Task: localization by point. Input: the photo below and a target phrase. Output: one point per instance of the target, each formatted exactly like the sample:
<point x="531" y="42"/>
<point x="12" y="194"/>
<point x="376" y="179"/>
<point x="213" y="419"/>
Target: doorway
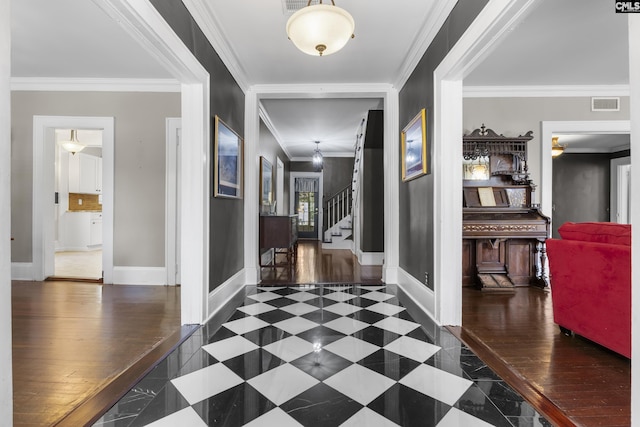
<point x="44" y="207"/>
<point x="306" y="191"/>
<point x="78" y="206"/>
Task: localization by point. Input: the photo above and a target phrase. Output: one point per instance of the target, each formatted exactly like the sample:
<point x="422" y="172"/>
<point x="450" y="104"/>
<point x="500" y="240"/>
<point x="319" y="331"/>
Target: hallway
<point x="326" y="355"/>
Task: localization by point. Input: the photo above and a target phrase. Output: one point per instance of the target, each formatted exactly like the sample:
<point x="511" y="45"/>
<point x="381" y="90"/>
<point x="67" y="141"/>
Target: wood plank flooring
<point x="71" y="340"/>
<point x="570" y="379"/>
<point x="317" y="265"/>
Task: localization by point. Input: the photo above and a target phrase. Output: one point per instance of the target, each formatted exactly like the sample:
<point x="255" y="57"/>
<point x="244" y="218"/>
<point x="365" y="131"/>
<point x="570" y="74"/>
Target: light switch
<point x="79" y="201"/>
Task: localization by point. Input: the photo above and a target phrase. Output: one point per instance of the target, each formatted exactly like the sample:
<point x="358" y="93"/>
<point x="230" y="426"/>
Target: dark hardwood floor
<point x="570" y="379"/>
<point x="315" y="265"/>
<point x="77" y="346"/>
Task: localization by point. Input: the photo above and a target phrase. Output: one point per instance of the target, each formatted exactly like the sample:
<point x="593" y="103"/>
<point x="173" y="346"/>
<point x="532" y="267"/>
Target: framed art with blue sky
<point x="228" y="161"/>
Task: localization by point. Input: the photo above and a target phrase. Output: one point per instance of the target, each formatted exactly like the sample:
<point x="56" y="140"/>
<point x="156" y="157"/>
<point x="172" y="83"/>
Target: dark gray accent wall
<point x="271" y="149"/>
<point x="337" y="173"/>
<point x="416" y="196"/>
<point x="227" y="101"/>
<point x="581" y="188"/>
<point x="372" y="185"/>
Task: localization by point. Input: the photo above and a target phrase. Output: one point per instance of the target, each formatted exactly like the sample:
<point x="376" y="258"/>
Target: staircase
<point x="339" y="208"/>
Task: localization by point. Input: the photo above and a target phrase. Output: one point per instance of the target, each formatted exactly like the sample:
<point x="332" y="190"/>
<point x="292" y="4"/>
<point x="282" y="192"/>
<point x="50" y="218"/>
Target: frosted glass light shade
<point x="320" y="29"/>
<point x="73" y="145"/>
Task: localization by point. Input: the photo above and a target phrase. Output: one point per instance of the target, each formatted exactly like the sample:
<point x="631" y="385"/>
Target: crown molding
<point x="435" y="20"/>
<point x="269" y="124"/>
<point x="94" y="84"/>
<point x="322" y="90"/>
<point x="204" y="15"/>
<point x="544" y="91"/>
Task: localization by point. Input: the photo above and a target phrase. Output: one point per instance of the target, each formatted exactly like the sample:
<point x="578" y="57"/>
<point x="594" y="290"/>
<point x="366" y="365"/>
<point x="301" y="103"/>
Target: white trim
<point x="204" y="14"/>
<point x="634" y="81"/>
<point x="251" y="187"/>
<point x="391" y="183"/>
<point x="171" y="200"/>
<point x="545" y="91"/>
<point x="6" y="374"/>
<point x="139" y="275"/>
<point x="550" y="128"/>
<point x="22" y="271"/>
<point x="146" y="25"/>
<point x="490" y="26"/>
<point x="370" y="258"/>
<point x="76" y="84"/>
<point x="320" y="202"/>
<point x="225" y="293"/>
<point x="43" y="250"/>
<point x="435" y="19"/>
<point x="422" y="296"/>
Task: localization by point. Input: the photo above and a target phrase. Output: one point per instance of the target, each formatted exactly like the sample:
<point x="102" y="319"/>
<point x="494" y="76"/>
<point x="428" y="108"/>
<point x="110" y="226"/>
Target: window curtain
<point x="307" y="185"/>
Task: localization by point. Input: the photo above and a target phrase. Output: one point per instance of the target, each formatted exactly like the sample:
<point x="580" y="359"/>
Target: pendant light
<point x="72" y="145"/>
<point x="320" y="29"/>
<point x="317" y="156"/>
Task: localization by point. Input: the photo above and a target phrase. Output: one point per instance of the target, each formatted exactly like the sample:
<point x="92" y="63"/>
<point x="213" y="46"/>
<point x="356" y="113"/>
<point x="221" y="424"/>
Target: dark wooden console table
<point x="279" y="233"/>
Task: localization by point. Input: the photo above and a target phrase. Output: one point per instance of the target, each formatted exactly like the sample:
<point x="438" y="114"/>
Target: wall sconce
<point x="556" y="149"/>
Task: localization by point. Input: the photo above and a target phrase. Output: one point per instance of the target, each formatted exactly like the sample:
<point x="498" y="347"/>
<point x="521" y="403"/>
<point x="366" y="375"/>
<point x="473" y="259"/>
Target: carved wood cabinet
<point x="503" y="231"/>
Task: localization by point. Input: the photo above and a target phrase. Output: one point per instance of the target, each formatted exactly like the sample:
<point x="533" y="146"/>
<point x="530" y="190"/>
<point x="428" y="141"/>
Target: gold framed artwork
<point x="414" y="147"/>
<point x="228" y="149"/>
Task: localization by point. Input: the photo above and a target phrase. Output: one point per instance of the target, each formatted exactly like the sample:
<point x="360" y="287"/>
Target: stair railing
<point x="338" y="206"/>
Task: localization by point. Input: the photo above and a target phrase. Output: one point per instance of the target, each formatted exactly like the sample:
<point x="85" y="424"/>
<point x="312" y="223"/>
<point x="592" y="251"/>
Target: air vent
<point x="291" y="6"/>
<point x="610" y="103"/>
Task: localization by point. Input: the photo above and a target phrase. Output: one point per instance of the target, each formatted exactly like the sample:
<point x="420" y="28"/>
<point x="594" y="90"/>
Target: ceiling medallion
<point x="320" y="29"/>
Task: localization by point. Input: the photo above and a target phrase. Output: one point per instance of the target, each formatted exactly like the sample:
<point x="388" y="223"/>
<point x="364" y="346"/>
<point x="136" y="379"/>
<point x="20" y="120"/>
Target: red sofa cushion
<point x="597" y="232"/>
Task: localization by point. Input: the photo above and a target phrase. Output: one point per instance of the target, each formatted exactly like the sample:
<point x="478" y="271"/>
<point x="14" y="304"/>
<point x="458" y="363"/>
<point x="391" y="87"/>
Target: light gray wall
<point x="140" y="140"/>
<point x="516" y="116"/>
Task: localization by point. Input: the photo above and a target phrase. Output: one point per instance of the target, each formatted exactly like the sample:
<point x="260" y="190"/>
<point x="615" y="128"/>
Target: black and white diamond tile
<point x="332" y="355"/>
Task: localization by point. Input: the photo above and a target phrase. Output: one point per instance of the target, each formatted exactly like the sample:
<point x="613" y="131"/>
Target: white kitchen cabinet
<point x="95" y="229"/>
<point x="85" y="174"/>
<point x="82" y="231"/>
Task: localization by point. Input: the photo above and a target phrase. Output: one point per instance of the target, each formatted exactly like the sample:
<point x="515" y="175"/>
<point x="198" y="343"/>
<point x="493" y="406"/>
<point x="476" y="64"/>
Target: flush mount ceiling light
<point x="556" y="149"/>
<point x="72" y="145"/>
<point x="317" y="156"/>
<point x="320" y="29"/>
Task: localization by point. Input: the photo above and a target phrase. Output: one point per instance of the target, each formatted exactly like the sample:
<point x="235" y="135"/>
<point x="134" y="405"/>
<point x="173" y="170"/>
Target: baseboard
<point x="224" y="293"/>
<point x="139" y="275"/>
<point x="22" y="271"/>
<point x="419" y="293"/>
<point x="370" y="258"/>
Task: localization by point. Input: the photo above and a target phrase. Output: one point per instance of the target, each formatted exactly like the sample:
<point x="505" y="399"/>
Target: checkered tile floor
<point x="342" y="355"/>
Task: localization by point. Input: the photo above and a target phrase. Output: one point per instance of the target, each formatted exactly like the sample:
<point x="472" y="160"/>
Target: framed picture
<point x="228" y="161"/>
<point x="266" y="185"/>
<point x="414" y="147"/>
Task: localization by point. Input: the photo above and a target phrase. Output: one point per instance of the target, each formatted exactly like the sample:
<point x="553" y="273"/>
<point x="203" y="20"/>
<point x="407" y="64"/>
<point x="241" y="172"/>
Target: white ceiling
<point x="568" y="42"/>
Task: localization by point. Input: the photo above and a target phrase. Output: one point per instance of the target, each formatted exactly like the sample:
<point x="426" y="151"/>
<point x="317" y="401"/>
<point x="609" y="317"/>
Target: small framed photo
<point x="414" y="147"/>
<point x="266" y="185"/>
<point x="228" y="167"/>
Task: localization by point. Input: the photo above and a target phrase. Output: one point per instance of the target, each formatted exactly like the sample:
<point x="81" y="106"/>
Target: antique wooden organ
<point x="503" y="231"/>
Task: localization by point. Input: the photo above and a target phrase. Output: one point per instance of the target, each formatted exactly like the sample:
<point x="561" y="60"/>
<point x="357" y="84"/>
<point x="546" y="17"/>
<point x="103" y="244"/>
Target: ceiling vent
<point x="292" y="6"/>
<point x="610" y="103"/>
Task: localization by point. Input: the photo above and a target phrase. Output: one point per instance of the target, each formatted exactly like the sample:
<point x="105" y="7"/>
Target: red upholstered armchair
<point x="590" y="270"/>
